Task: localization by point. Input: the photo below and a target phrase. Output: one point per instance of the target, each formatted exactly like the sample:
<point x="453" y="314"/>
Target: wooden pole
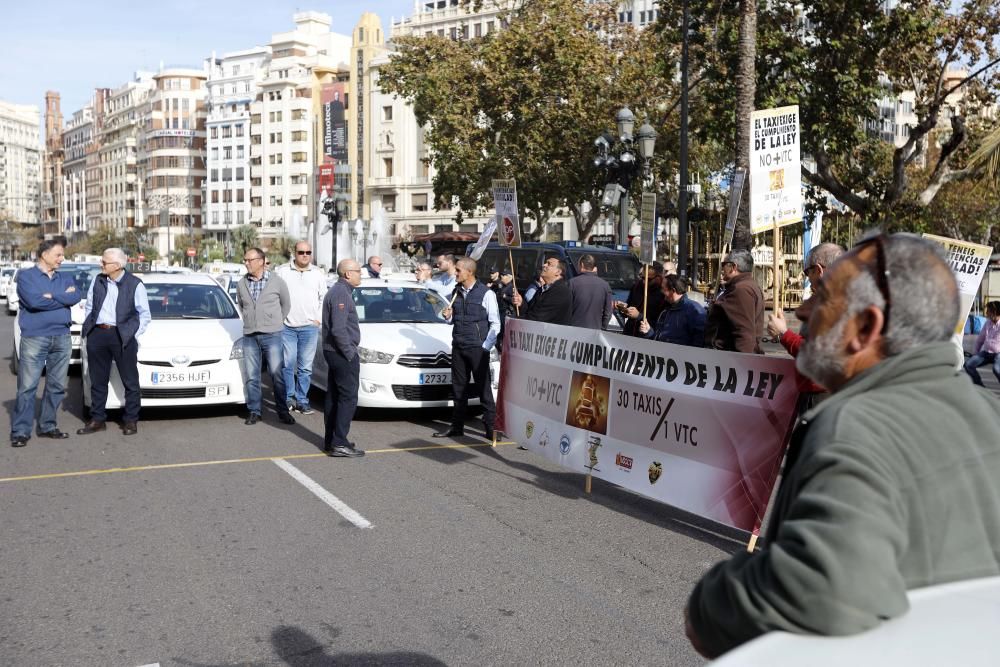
<point x="513" y="278"/>
<point x="776" y="268"/>
<point x="586" y="483"/>
<point x="752" y="544"/>
<point x="645" y="291"/>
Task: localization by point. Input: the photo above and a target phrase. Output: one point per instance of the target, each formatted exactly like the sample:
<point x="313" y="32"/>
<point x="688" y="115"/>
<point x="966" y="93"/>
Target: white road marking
<point x="152" y="664"/>
<point x="333" y="501"/>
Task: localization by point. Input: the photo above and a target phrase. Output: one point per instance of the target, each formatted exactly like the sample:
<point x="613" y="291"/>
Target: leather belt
<point x="106" y="326"/>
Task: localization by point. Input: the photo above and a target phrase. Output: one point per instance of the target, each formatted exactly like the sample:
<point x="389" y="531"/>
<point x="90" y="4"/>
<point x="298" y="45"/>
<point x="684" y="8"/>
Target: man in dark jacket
<point x="655" y="303"/>
<point x="475" y="322"/>
<point x="890" y="483"/>
<point x="115" y="315"/>
<point x="736" y="318"/>
<point x="341" y="338"/>
<point x="682" y="322"/>
<point x="553" y="302"/>
<point x="591" y="296"/>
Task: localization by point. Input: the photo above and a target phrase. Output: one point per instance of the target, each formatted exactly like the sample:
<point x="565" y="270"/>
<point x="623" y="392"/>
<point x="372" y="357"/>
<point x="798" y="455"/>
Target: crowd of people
<point x="889" y="480"/>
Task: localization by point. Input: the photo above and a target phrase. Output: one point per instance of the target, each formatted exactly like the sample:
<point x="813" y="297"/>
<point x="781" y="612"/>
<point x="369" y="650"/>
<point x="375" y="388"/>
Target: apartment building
<point x="171" y="156"/>
<point x="20" y="163"/>
<point x="233" y="85"/>
<point x="52" y="168"/>
<point x="78" y="138"/>
<point x="118" y="153"/>
<point x="284" y="122"/>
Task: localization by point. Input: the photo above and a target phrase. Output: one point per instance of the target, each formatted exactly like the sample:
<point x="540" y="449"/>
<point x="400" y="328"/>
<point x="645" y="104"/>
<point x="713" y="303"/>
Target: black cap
<point x="494" y="269"/>
<point x="506" y="272"/>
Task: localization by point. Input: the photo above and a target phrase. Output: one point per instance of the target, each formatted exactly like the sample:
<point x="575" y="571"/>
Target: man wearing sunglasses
<point x="306" y="288"/>
<point x="890" y="483"/>
<point x="374" y="266"/>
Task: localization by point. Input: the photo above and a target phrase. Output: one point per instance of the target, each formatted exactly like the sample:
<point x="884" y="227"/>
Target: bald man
<point x="341" y="337"/>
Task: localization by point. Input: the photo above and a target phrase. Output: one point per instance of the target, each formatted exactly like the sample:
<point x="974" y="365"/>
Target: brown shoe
<point x="130" y="428"/>
<point x="92" y="427"/>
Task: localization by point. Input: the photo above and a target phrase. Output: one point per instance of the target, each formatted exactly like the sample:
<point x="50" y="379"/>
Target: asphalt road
<point x="189" y="545"/>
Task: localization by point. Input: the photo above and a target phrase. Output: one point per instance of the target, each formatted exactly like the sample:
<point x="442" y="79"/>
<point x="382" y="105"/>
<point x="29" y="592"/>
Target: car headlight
<point x="237" y="352"/>
<point x="373" y="356"/>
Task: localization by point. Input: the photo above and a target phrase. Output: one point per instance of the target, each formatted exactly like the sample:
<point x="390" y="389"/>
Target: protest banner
<point x="968" y="261"/>
<point x="505" y="202"/>
<point x="702" y="430"/>
<point x="484" y="239"/>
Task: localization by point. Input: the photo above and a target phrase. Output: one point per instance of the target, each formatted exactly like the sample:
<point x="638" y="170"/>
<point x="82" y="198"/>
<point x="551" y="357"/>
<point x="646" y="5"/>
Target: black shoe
<point x="286" y="418"/>
<point x="18" y="440"/>
<point x="450" y="433"/>
<point x="92" y="427"/>
<point x="490" y="435"/>
<point x="130" y="428"/>
<point x="252" y="418"/>
<point x="54" y="434"/>
<point x="345" y="452"/>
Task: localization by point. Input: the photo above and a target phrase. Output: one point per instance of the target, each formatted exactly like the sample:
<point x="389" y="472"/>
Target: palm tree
<point x="244" y="236"/>
<point x="988" y="157"/>
<point x="746" y="88"/>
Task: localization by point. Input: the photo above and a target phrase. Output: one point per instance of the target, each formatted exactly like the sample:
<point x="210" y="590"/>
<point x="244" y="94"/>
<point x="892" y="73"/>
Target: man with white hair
<point x="736" y="319"/>
<point x="115" y="315"/>
<point x="890" y="483"/>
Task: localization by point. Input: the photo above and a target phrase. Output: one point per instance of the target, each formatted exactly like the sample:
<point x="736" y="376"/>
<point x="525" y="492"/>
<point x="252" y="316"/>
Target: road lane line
<point x="254" y="459"/>
<point x="333" y="501"/>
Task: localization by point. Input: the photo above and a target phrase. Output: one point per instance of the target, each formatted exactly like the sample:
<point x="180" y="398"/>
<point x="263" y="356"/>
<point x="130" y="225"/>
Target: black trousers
<point x="470" y="368"/>
<point x="103" y="347"/>
<point x="341" y="397"/>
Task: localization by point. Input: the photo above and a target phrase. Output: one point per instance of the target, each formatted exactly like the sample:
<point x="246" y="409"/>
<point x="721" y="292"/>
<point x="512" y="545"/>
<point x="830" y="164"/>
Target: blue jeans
<point x="254" y="346"/>
<point x="981" y="359"/>
<point x="299" y="344"/>
<point x="40" y="352"/>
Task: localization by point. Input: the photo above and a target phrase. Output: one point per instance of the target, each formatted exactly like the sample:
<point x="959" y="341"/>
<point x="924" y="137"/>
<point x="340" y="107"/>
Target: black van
<point x="619" y="267"/>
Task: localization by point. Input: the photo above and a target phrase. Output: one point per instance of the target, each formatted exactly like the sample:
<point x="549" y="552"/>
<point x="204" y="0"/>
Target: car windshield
<point x="176" y="301"/>
<point x="620" y="270"/>
<point x="7" y="272"/>
<point x="398" y="304"/>
<point x="82" y="275"/>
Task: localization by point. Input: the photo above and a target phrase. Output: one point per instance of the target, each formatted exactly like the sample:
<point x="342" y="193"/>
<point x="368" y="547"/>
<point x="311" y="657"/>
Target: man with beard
<point x="890" y="482"/>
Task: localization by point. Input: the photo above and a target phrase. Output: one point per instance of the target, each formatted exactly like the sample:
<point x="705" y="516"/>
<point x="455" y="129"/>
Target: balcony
<point x="257" y="150"/>
<point x="382" y="182"/>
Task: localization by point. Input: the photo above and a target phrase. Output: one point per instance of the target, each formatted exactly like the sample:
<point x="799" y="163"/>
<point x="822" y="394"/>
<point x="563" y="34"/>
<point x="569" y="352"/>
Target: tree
<point x="837" y="60"/>
<point x="244" y="237"/>
<point x="527" y="102"/>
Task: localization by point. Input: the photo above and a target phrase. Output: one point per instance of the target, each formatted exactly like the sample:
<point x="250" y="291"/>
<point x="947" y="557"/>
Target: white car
<point x="405" y="347"/>
<point x="190" y="353"/>
<point x="83" y="274"/>
<point x="6" y="273"/>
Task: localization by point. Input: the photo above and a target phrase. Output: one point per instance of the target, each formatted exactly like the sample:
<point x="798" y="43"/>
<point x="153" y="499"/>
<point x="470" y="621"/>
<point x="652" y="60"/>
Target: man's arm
<point x="832" y="568"/>
<point x="89" y="306"/>
<point x="142" y="307"/>
<point x="493" y="313"/>
<point x="740" y="309"/>
<point x="67" y="294"/>
<point x="791" y="341"/>
<point x="283" y="297"/>
<point x="696" y="326"/>
<point x="34" y="295"/>
<point x="606" y="310"/>
<point x="339" y="304"/>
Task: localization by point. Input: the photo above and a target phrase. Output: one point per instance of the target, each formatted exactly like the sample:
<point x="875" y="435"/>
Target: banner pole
<point x="586" y="483"/>
<point x="776" y="294"/>
<point x="513" y="278"/>
<point x="752" y="544"/>
<point x="645" y="290"/>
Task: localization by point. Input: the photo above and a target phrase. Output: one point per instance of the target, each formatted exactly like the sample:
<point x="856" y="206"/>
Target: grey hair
<point x="742" y="259"/>
<point x="424" y="264"/>
<point x="345" y="265"/>
<point x="923" y="290"/>
<point x="118" y="255"/>
<point x="825" y="254"/>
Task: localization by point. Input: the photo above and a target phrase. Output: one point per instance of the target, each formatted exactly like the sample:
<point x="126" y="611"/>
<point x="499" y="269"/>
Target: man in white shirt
<point x="306" y="287"/>
<point x="444" y="283"/>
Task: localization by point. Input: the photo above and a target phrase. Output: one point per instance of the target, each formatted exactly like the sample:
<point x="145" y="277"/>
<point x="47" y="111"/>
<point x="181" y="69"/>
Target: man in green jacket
<point x="891" y="483"/>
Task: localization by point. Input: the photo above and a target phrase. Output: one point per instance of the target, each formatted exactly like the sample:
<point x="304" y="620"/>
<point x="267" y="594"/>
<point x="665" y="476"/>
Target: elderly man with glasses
<point x="890" y="483"/>
<point x="374" y="266"/>
<point x="341" y="338"/>
<point x="116" y="314"/>
<point x="735" y="320"/>
<point x="306" y="284"/>
<point x="265" y="302"/>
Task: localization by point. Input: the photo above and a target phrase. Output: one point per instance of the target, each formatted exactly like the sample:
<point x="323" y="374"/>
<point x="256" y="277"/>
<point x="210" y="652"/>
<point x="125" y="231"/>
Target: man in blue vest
<point x="116" y="313"/>
<point x="476" y="323"/>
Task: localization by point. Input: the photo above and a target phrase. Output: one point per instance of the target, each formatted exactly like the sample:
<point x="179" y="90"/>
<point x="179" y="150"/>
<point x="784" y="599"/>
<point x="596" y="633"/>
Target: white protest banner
<point x="647" y="233"/>
<point x="505" y="202"/>
<point x="775" y="171"/>
<point x="699" y="429"/>
<point x="968" y="261"/>
<point x="484" y="239"/>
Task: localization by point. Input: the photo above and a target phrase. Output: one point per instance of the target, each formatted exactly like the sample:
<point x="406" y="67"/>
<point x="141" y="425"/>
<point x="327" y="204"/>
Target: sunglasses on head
<point x="881" y="272"/>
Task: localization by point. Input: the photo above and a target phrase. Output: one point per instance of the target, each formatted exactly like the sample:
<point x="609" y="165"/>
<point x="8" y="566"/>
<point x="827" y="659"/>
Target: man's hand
<point x="446" y="313"/>
<point x="47" y="295"/>
<point x="71" y="288"/>
<point x="517" y="300"/>
<point x="776" y="324"/>
<point x="644" y="327"/>
<point x="316" y="322"/>
<point x="632" y="312"/>
<point x="692" y="637"/>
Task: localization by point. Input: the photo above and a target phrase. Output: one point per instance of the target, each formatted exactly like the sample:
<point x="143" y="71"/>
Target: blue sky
<point x="73" y="46"/>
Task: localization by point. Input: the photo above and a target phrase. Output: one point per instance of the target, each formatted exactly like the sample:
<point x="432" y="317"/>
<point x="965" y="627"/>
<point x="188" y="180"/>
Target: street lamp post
<point x="616" y="157"/>
<point x="333" y="209"/>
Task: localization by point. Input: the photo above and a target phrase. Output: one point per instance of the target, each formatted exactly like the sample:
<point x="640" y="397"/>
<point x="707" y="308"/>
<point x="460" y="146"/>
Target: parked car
<point x="83" y="274"/>
<point x="405" y="347"/>
<point x="190" y="353"/>
<point x="228" y="282"/>
<point x="6" y="273"/>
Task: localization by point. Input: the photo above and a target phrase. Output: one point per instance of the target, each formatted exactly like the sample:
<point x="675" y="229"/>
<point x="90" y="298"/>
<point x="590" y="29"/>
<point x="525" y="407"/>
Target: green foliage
<point x="243" y="237"/>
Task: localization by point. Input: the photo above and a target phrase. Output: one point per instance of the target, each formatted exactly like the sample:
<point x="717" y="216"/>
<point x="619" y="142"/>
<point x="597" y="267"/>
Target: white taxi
<point x="405" y="347"/>
<point x="190" y="353"/>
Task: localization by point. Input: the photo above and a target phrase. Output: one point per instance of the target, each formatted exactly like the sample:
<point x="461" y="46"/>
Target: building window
<point x="214" y="176"/>
<point x="239" y="152"/>
<point x="275" y="159"/>
<point x="387" y="167"/>
<point x="239" y="196"/>
<point x="389" y="203"/>
<point x="299" y="135"/>
<point x="276" y="180"/>
<point x="299" y="157"/>
<point x="227" y="153"/>
<point x="420" y="202"/>
<point x="239" y="217"/>
<point x="386" y="113"/>
<point x="298" y="114"/>
<point x="215" y="217"/>
<point x="215" y="133"/>
<point x="215" y="196"/>
<point x="239" y="173"/>
<point x="227" y="131"/>
<point x="477" y="30"/>
<point x="228" y="216"/>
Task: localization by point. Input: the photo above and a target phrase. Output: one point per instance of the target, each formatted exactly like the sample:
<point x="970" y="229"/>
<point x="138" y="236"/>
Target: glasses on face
<point x="103" y="263"/>
<point x="247" y="260"/>
<point x="303" y="252"/>
<point x="881" y="272"/>
<point x="376" y="263"/>
<point x="812" y="271"/>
